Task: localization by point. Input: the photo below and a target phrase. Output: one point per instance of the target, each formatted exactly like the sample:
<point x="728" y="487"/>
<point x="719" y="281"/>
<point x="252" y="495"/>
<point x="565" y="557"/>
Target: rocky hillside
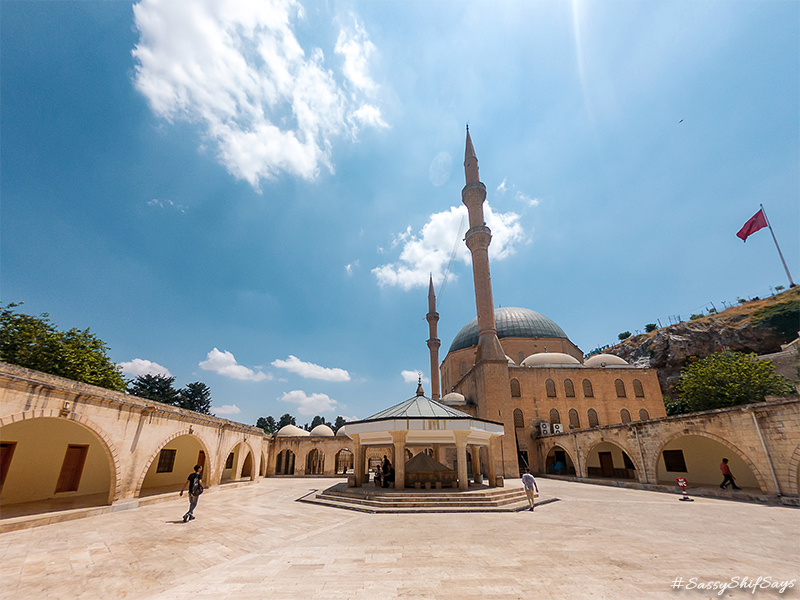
<point x="759" y="326"/>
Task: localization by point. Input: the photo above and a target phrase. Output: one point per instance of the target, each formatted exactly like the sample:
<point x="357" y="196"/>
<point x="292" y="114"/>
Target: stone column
<point x="438" y="453"/>
<point x="476" y="462"/>
<point x="492" y="466"/>
<point x="358" y="459"/>
<point x="461" y="452"/>
<point x="399" y="439"/>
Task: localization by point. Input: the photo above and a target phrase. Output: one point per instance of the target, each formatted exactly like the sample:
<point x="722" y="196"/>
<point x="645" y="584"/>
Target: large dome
<point x="510" y="322"/>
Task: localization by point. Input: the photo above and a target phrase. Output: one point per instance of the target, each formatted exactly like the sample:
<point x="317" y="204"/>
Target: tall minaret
<point x="433" y="342"/>
<point x="478" y="238"/>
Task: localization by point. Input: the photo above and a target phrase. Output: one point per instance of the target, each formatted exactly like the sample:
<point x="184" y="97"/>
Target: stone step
<point x="509" y="508"/>
<point x="418" y="503"/>
<point x="468" y="496"/>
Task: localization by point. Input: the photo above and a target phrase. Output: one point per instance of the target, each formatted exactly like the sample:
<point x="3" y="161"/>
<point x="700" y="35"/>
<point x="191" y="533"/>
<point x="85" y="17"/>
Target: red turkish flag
<point x="756" y="222"/>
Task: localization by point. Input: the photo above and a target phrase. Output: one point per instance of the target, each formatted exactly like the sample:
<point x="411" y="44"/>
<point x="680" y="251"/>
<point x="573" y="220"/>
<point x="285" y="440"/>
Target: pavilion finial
<point x="420" y="391"/>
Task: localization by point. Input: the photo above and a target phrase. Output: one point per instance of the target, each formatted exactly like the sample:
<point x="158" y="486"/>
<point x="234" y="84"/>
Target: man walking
<point x="727" y="476"/>
<point x="195" y="483"/>
<point x="529" y="483"/>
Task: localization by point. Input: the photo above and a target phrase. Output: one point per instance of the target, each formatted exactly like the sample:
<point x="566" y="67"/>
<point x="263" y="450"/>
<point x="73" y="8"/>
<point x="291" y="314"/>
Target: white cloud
<point x="225" y="364"/>
<point x="314" y="404"/>
<point x="166" y="204"/>
<point x="140" y="366"/>
<point x="349" y="267"/>
<point x="439" y="171"/>
<point x="226" y="409"/>
<point x="266" y="104"/>
<point x="310" y="370"/>
<point x="413" y="377"/>
<point x="502" y="187"/>
<point x="428" y="252"/>
<point x="526" y="198"/>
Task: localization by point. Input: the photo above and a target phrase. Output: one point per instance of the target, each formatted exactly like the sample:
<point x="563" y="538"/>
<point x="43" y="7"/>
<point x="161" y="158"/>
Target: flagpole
<point x="791" y="283"/>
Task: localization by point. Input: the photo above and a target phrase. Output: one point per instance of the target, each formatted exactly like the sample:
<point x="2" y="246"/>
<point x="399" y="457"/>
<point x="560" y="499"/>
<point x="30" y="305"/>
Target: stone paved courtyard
<point x="258" y="542"/>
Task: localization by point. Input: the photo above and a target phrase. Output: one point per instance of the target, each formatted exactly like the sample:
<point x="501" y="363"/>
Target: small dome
<point x="511" y="360"/>
<point x="541" y="359"/>
<point x="291" y="431"/>
<point x="605" y="360"/>
<point x="341" y="432"/>
<point x="454" y="399"/>
<point x="322" y="430"/>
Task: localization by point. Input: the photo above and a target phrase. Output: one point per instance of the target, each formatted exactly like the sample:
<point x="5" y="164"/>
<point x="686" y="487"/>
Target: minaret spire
<point x="478" y="238"/>
<point x="433" y="341"/>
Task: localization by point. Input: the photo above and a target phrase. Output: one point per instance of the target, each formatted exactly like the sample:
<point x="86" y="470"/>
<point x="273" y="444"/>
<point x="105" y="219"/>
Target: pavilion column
<point x="476" y="462"/>
<point x="461" y="453"/>
<point x="399" y="438"/>
<point x="492" y="466"/>
<point x="358" y="460"/>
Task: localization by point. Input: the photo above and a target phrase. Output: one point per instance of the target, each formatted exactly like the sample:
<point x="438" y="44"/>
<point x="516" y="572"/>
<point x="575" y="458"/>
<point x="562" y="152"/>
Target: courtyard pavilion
<point x="421" y="423"/>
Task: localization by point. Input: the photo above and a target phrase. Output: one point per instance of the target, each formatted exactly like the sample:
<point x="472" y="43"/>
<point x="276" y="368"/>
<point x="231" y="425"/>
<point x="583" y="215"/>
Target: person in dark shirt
<point x="195" y="483"/>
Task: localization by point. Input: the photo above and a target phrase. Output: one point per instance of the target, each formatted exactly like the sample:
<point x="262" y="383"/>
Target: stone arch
<point x="638" y="390"/>
<point x="343" y="461"/>
<point x="248" y="469"/>
<point x="262" y="468"/>
<point x="653" y="460"/>
<point x="548" y="444"/>
<point x="637" y="463"/>
<point x="588" y="391"/>
<point x="592" y="416"/>
<point x="643" y="414"/>
<point x="246" y="448"/>
<point x="794" y="473"/>
<point x="285" y="462"/>
<point x="109" y="449"/>
<point x="315" y="462"/>
<point x="207" y="470"/>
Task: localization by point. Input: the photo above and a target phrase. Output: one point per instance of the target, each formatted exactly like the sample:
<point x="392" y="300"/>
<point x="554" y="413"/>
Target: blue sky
<point x="252" y="194"/>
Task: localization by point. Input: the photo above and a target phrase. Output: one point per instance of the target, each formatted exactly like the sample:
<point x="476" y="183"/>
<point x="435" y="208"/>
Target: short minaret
<point x="433" y="341"/>
<point x="478" y="238"/>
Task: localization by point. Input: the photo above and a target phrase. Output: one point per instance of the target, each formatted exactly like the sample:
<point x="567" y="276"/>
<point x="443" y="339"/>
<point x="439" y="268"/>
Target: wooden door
<point x="201" y="459"/>
<point x="606" y="464"/>
<point x="72" y="469"/>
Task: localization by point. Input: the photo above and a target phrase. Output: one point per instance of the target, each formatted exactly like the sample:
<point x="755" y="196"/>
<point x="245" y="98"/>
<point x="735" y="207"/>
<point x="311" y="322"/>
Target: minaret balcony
<point x="478" y="237"/>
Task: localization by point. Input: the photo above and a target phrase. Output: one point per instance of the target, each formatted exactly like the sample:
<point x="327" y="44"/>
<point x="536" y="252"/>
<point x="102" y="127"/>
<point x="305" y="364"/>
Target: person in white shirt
<point x="529" y="483"/>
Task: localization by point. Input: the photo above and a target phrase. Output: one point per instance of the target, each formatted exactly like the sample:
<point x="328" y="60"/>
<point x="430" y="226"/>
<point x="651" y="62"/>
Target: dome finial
<point x="420" y="391"/>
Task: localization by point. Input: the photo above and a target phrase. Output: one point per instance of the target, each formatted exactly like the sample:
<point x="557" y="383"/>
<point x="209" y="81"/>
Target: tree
<point x="35" y="343"/>
<point x="155" y="387"/>
<point x="285" y="420"/>
<point x="339" y="423"/>
<point x="268" y="424"/>
<point x="779" y="288"/>
<point x="317" y="420"/>
<point x="729" y="379"/>
<point x="195" y="396"/>
<point x="650" y="327"/>
<point x="624" y="335"/>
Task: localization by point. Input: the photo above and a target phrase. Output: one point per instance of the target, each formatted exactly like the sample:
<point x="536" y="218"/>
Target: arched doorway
<point x="558" y="462"/>
<point x="172" y="464"/>
<point x="284" y="464"/>
<point x="262" y="467"/>
<point x="229" y="473"/>
<point x="697" y="458"/>
<point x="610" y="461"/>
<point x="315" y="462"/>
<point x="247" y="467"/>
<point x="49" y="464"/>
<point x="344" y="461"/>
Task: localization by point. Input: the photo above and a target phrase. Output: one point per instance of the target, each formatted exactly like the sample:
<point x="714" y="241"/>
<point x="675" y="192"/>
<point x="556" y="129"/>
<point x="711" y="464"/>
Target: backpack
<point x="196" y="488"/>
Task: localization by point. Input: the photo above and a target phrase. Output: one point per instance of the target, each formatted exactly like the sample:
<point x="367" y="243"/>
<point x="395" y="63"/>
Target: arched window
<point x="588" y="392"/>
<point x="574" y="419"/>
<point x="643" y="414"/>
<point x="520" y="357"/>
<point x="638" y="390"/>
<point x="625" y="415"/>
<point x="554" y="416"/>
<point x="569" y="388"/>
<point x="550" y="386"/>
<point x="593" y="420"/>
<point x="463" y="368"/>
<point x="515" y="391"/>
<point x="519" y="419"/>
<point x="620" y="388"/>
